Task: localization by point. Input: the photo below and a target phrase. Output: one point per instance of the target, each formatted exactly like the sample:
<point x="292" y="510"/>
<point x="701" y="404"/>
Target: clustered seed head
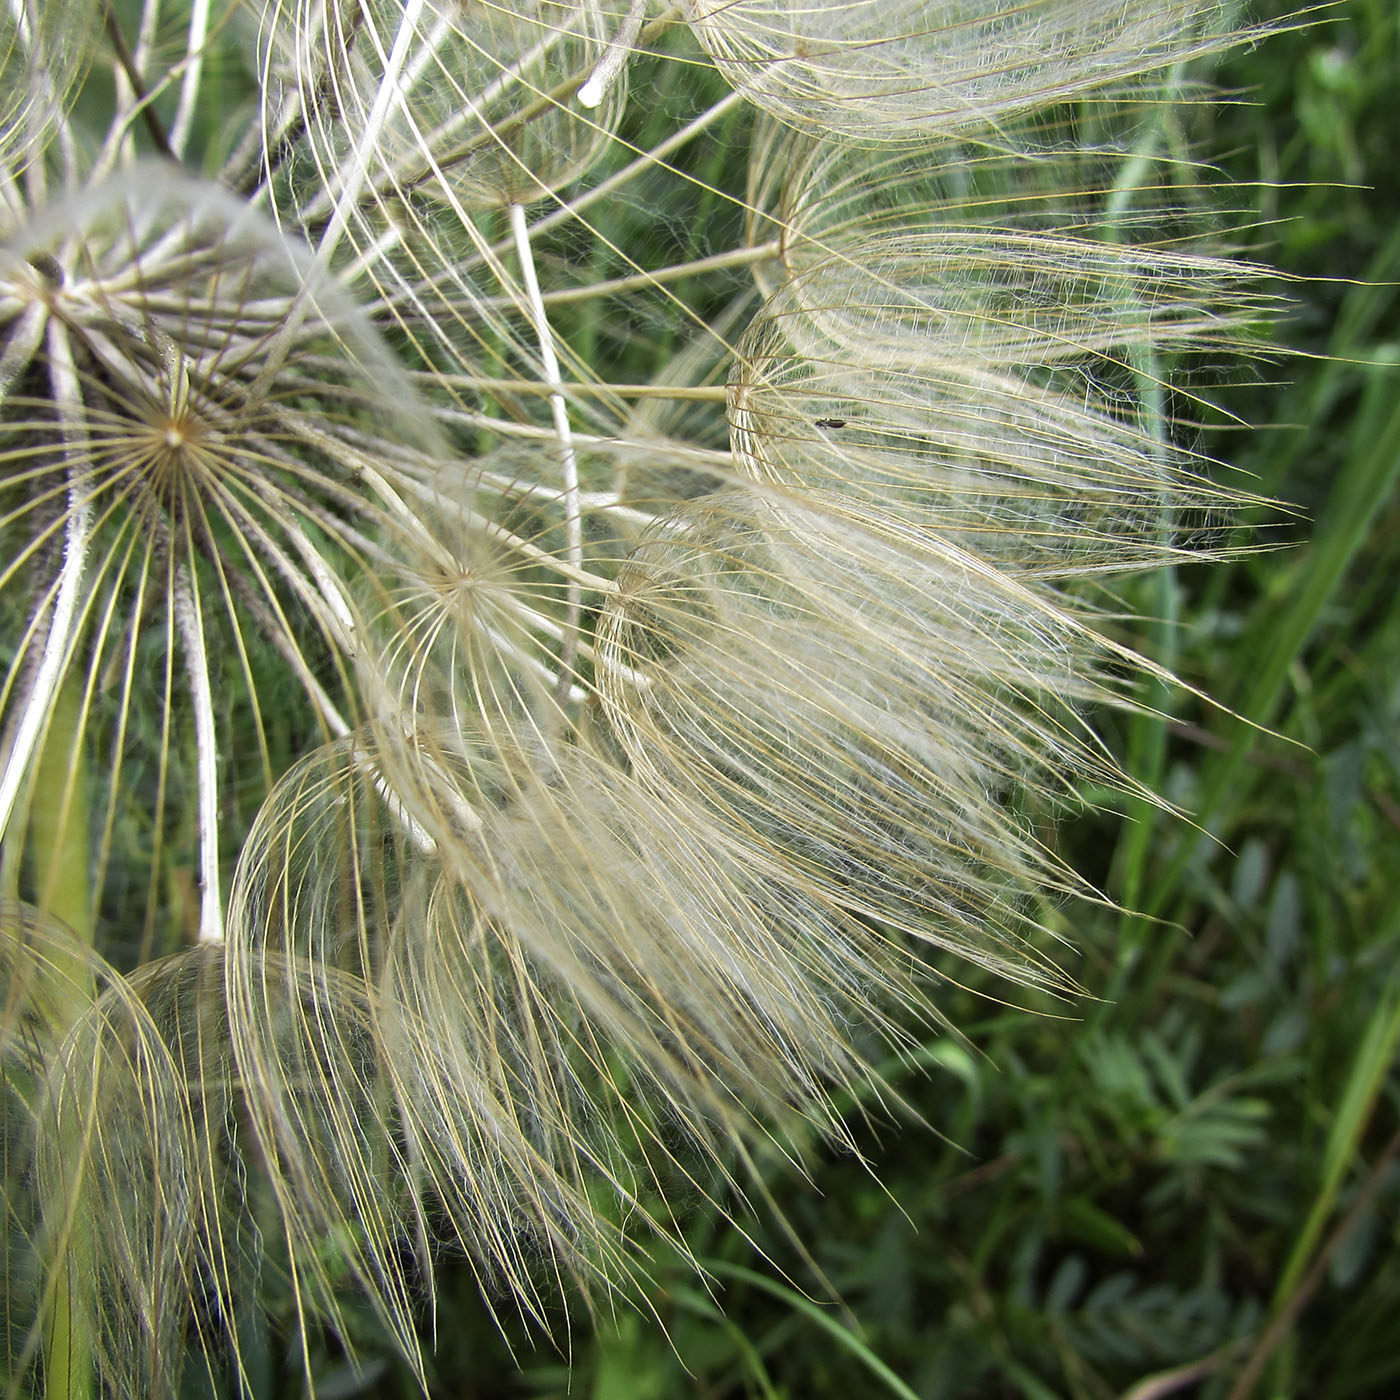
<point x="542" y="558"/>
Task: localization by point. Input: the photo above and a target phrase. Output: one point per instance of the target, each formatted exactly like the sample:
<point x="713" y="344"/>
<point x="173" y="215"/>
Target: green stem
<point x="59" y="848"/>
<point x="820" y="1318"/>
<point x="1374" y="1057"/>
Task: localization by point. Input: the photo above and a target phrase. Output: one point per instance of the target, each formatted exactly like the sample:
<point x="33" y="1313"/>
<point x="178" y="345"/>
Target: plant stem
<point x="1287" y="1314"/>
<point x="674" y="272"/>
<point x="58" y="847"/>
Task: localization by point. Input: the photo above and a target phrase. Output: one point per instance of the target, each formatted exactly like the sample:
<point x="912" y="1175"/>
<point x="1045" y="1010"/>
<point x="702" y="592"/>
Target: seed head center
<point x="174" y="446"/>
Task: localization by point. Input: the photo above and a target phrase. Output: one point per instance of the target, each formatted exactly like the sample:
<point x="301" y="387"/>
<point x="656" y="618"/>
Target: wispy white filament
<point x="361" y="159"/>
<point x="573" y="521"/>
<point x="611" y="64"/>
<point x="38" y="704"/>
<point x="191" y="628"/>
<point x="646" y="160"/>
<point x="194" y="71"/>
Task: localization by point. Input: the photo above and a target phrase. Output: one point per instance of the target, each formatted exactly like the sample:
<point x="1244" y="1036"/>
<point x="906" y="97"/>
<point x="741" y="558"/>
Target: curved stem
<point x="131" y="70"/>
<point x="658" y="277"/>
<point x="699" y="393"/>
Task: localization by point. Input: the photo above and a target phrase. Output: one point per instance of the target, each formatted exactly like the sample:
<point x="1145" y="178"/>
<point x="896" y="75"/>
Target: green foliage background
<point x="1189" y="1183"/>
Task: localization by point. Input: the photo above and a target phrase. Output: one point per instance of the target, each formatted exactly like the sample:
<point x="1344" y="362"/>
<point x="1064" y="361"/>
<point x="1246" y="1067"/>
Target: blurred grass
<point x="1189" y="1187"/>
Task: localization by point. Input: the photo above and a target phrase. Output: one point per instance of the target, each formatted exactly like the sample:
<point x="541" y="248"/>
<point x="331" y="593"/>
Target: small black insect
<point x="831" y="422"/>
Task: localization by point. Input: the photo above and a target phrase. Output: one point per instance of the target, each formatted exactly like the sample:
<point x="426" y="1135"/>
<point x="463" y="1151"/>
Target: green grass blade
<point x="847" y="1339"/>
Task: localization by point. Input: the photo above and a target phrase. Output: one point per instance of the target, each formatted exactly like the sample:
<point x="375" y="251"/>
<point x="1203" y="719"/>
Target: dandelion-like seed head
<point x="162" y="341"/>
<point x="903" y="71"/>
<point x="560" y="530"/>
